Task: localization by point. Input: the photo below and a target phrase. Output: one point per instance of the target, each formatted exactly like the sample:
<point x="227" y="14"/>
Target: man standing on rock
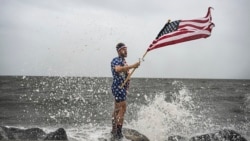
<point x="120" y="70"/>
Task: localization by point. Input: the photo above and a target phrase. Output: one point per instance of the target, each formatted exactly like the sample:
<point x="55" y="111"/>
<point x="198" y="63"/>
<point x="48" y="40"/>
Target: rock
<point x="129" y="135"/>
<point x="177" y="138"/>
<point x="59" y="134"/>
<point x="133" y="135"/>
<point x="221" y="135"/>
<point x="23" y="134"/>
<point x="31" y="134"/>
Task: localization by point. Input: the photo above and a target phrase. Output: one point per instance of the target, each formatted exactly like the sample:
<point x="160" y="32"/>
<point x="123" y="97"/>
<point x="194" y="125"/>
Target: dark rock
<point x="221" y="135"/>
<point x="133" y="135"/>
<point x="23" y="134"/>
<point x="59" y="134"/>
<point x="31" y="134"/>
<point x="177" y="138"/>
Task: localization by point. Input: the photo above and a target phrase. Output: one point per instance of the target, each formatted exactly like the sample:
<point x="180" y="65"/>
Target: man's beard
<point x="124" y="54"/>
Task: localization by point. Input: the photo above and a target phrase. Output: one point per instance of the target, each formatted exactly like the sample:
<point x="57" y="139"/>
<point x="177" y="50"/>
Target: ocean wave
<point x="169" y="107"/>
<point x="163" y="117"/>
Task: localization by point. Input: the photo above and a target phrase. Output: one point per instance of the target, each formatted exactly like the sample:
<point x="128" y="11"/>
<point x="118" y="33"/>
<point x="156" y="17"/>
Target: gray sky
<point x="78" y="38"/>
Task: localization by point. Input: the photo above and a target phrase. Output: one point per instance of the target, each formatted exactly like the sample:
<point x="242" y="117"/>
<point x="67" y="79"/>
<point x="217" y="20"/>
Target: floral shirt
<point x="118" y="79"/>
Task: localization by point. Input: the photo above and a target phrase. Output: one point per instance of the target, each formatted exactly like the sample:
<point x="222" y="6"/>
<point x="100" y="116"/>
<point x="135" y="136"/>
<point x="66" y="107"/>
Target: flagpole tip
<point x="209" y="8"/>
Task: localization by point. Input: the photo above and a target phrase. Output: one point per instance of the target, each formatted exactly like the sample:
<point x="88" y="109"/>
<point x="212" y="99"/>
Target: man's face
<point x="123" y="52"/>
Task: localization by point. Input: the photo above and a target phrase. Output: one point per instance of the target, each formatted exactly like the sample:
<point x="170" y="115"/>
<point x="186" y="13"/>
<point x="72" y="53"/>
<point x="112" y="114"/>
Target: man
<point x="120" y="70"/>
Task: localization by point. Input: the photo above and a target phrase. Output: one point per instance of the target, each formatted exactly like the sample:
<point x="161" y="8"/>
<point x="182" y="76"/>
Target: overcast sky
<point x="78" y="38"/>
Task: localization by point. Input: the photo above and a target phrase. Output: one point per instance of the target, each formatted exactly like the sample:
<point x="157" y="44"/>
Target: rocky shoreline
<point x="13" y="133"/>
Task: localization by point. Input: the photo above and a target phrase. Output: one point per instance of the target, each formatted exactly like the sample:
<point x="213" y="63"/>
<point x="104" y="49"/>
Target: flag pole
<point x="130" y="74"/>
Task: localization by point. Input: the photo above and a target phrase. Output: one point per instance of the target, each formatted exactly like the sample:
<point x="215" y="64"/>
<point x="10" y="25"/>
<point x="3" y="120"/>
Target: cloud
<point x="78" y="38"/>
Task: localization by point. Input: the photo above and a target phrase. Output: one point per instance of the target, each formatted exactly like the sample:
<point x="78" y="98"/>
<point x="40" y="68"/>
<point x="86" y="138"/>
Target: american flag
<point x="183" y="30"/>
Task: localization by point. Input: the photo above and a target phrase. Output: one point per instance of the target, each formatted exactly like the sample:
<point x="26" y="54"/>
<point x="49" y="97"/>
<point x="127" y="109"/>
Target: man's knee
<point x="119" y="120"/>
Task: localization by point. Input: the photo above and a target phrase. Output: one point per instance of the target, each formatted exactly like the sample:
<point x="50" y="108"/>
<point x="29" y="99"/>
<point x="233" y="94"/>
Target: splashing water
<point x="163" y="117"/>
<point x="83" y="107"/>
<point x="159" y="118"/>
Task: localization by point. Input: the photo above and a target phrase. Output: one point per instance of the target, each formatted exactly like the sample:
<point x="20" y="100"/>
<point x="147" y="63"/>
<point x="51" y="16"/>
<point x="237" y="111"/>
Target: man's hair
<point x="120" y="46"/>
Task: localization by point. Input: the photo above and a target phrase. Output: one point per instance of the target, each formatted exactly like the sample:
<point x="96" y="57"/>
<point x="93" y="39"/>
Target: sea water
<point x="156" y="107"/>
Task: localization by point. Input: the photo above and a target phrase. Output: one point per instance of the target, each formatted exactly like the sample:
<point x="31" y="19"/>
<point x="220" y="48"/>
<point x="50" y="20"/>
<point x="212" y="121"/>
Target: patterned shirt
<point x="118" y="79"/>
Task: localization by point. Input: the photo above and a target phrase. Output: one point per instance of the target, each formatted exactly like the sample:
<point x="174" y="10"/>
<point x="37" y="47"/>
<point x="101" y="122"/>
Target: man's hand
<point x="126" y="68"/>
<point x="136" y="65"/>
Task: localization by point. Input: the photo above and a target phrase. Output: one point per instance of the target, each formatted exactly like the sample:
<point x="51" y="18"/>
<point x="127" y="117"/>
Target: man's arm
<point x="126" y="68"/>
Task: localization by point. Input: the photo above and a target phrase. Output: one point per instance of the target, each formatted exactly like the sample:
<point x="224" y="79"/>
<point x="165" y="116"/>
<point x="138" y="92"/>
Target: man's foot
<point x="119" y="134"/>
<point x="116" y="135"/>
